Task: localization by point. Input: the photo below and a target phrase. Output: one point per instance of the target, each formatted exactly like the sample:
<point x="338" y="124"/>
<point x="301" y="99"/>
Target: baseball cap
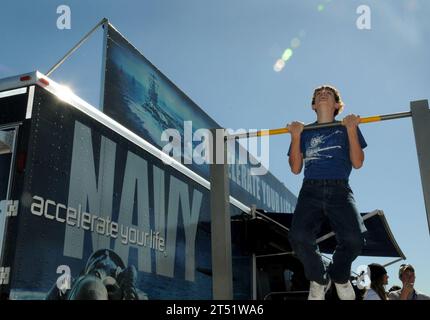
<point x="405" y="267"/>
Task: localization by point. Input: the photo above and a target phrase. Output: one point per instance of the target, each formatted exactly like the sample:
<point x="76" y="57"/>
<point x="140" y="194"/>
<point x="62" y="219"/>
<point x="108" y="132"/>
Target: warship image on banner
<point x="148" y="111"/>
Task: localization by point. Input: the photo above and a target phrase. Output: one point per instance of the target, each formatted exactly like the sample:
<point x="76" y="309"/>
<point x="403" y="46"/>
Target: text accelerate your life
<point x="86" y="221"/>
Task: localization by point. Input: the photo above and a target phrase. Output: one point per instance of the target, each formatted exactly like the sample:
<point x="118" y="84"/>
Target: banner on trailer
<point x="144" y="100"/>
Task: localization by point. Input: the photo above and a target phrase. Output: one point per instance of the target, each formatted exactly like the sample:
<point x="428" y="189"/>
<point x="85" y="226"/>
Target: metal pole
<point x="222" y="274"/>
<point x="392" y="262"/>
<point x="318" y="126"/>
<point x="70" y="52"/>
<point x="421" y="120"/>
<point x="254" y="259"/>
<point x="103" y="69"/>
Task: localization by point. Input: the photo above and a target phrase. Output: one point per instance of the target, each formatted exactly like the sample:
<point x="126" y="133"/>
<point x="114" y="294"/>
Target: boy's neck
<point x="324" y="117"/>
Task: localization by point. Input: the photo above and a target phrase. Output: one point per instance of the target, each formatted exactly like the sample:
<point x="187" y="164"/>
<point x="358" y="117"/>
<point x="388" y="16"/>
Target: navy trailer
<point x="89" y="203"/>
<point x="90" y="210"/>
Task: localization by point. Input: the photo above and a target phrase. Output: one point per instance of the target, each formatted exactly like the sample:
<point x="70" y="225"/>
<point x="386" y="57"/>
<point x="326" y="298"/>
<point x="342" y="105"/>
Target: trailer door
<point x="7" y="207"/>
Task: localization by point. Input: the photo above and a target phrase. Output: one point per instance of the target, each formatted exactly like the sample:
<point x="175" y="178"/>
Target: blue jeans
<point x="333" y="200"/>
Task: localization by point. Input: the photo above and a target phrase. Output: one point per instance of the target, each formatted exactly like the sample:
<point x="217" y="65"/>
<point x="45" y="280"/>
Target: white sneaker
<point x="316" y="291"/>
<point x="345" y="291"/>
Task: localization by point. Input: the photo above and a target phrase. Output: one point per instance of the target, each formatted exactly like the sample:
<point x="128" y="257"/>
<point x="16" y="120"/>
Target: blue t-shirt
<point x="326" y="152"/>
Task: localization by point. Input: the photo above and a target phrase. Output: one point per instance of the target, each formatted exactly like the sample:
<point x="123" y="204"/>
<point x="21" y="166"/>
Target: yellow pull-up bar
<point x="272" y="132"/>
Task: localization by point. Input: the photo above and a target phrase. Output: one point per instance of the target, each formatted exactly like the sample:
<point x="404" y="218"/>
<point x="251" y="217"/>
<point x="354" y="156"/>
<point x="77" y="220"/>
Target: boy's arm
<point x="356" y="153"/>
<point x="296" y="156"/>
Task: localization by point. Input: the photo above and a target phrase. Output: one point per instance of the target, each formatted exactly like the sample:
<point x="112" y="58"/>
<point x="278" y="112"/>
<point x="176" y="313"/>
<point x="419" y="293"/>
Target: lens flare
<point x="287" y="54"/>
<point x="279" y="65"/>
<point x="295" y="43"/>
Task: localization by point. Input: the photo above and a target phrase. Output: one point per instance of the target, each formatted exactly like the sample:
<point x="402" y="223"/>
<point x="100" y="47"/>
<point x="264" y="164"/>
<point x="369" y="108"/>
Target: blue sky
<point x="221" y="54"/>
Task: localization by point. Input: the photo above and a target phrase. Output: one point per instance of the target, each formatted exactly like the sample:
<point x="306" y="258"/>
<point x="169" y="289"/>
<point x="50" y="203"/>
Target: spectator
<point x="378" y="281"/>
<point x="407" y="292"/>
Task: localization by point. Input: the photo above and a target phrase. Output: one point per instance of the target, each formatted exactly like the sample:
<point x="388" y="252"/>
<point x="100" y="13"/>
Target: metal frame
<point x="13" y="92"/>
<point x="222" y="273"/>
<point x="254" y="262"/>
<point x="103" y="71"/>
<point x="70" y="52"/>
<point x="393" y="262"/>
<point x="30" y="101"/>
<point x="3" y="232"/>
<point x="421" y="123"/>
